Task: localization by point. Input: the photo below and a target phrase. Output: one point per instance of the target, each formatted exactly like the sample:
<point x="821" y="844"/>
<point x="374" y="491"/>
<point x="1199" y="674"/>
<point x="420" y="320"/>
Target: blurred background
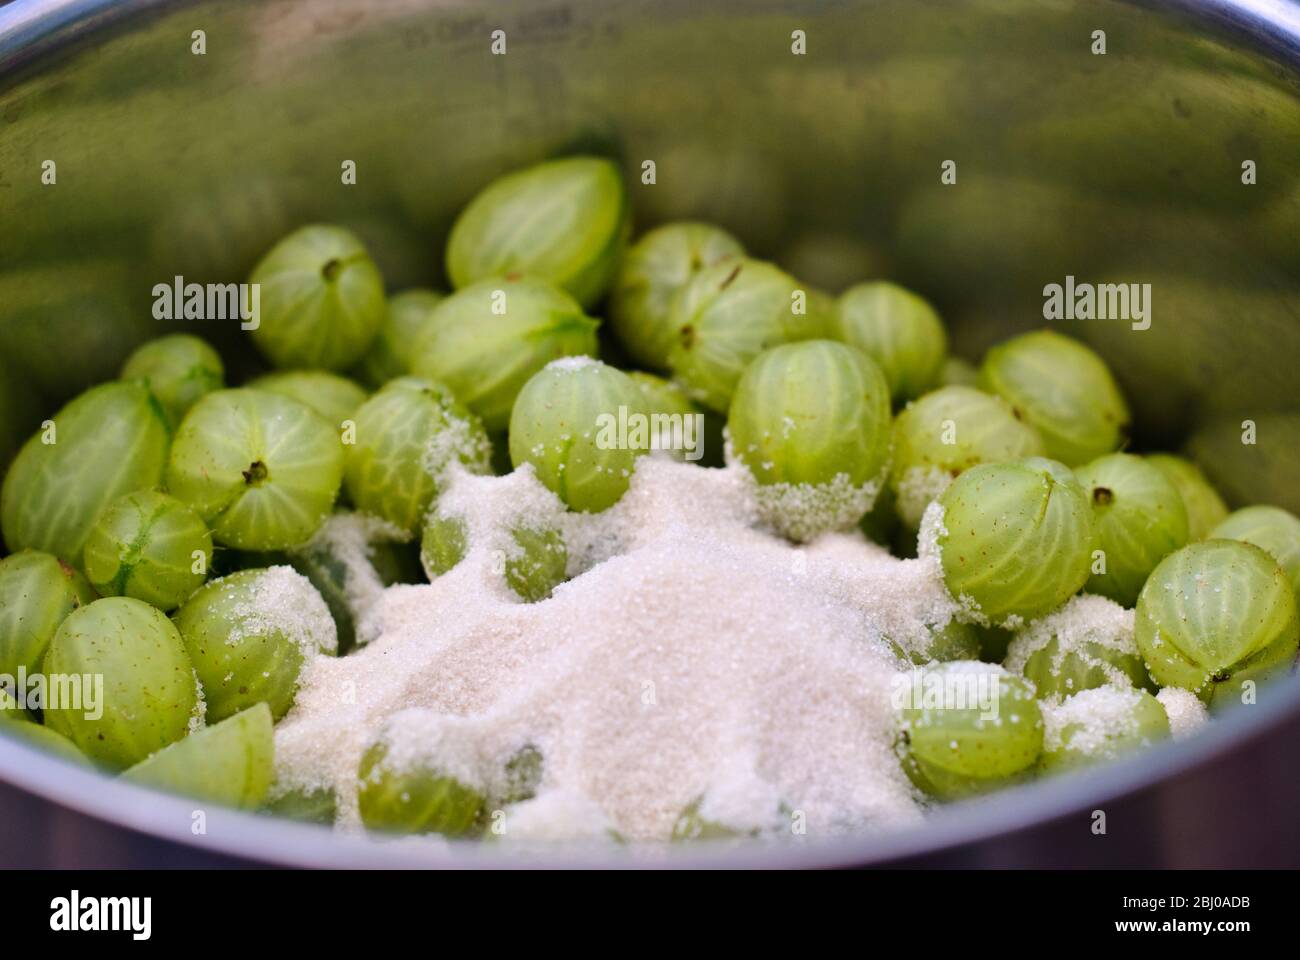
<point x="1124" y="166"/>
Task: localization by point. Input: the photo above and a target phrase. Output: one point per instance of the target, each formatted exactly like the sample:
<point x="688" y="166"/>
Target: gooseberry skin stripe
<point x="229" y="431"/>
<point x="485" y="348"/>
<point x="310" y="318"/>
<point x="1273" y="530"/>
<point x="1215" y="614"/>
<point x="1063" y="389"/>
<point x="37" y="593"/>
<point x="565" y="221"/>
<point x="652" y="273"/>
<point x="109" y="440"/>
<point x="148" y="682"/>
<point x="1037" y="502"/>
<point x="897" y="329"/>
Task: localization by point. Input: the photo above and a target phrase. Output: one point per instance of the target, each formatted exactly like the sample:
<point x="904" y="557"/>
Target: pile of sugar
<point x="693" y="656"/>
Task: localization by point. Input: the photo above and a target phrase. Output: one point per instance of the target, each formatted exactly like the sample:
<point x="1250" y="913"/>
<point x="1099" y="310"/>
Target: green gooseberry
<point x="656" y="267"/>
<point x="957" y="372"/>
<point x="1139" y="519"/>
<point x="248" y="636"/>
<point x="1100" y="724"/>
<point x="953" y="640"/>
<point x="1086" y="644"/>
<point x="149" y="696"/>
<point x="1214" y="615"/>
<point x="262" y="470"/>
<point x="565" y="221"/>
<point x="486" y="340"/>
<point x="1064" y="390"/>
<point x="110" y="440"/>
<point x="567" y="424"/>
<point x="966" y="727"/>
<point x="726" y="316"/>
<point x="334" y="397"/>
<point x="680" y="429"/>
<point x="321" y="300"/>
<point x="45" y="740"/>
<point x="1017" y="539"/>
<point x="405" y="792"/>
<point x="1273" y="530"/>
<point x="407" y="436"/>
<point x="946" y="432"/>
<point x="811" y="422"/>
<point x="178" y="369"/>
<point x="230" y="763"/>
<point x="897" y="329"/>
<point x="37" y="592"/>
<point x="390" y="355"/>
<point x="317" y="804"/>
<point x="1205" y="508"/>
<point x="150" y="546"/>
<point x="534" y="559"/>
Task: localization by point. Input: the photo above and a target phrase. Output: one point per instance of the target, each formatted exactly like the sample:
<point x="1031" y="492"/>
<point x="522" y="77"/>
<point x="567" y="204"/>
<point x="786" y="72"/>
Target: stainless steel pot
<point x="1122" y="166"/>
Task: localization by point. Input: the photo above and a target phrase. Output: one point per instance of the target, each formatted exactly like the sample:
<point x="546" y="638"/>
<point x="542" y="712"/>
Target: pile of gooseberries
<point x="164" y="529"/>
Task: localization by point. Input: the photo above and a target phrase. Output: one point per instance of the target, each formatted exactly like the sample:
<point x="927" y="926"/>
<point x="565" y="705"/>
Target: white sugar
<point x="918" y="487"/>
<point x="349" y="539"/>
<point x="281" y="600"/>
<point x="692" y="655"/>
<point x="1092" y="721"/>
<point x="1083" y="621"/>
<point x="1186" y="712"/>
<point x="553" y="816"/>
<point x="457" y="442"/>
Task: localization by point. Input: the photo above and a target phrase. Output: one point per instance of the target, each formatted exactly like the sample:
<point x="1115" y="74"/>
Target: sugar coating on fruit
<point x="492" y="508"/>
<point x="918" y="487"/>
<point x="1187" y="714"/>
<point x="281" y="600"/>
<point x="688" y="637"/>
<point x="1083" y="620"/>
<point x="457" y="441"/>
<point x="1092" y="721"/>
<point x="350" y="539"/>
<point x="803" y="511"/>
<point x="573" y="364"/>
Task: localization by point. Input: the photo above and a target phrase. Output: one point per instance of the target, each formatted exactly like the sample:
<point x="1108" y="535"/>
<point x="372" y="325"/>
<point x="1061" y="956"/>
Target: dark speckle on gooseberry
<point x="331" y="268"/>
<point x="1102" y="496"/>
